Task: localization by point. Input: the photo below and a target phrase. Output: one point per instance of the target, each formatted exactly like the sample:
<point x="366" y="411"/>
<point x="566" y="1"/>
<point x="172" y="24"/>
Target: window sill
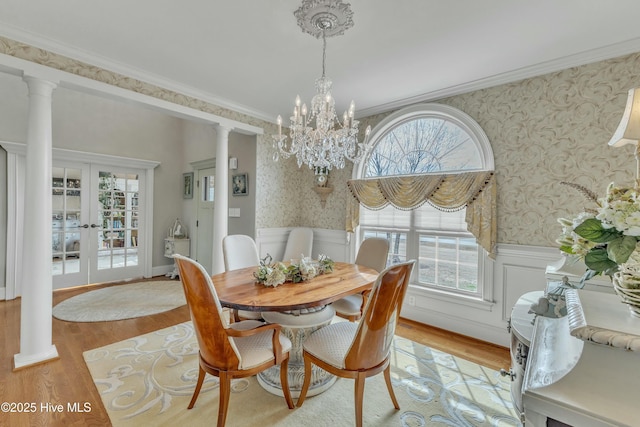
<point x="452" y="298"/>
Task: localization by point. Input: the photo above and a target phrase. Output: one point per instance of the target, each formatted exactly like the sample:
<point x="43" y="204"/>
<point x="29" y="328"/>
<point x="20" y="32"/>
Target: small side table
<point x="174" y="246"/>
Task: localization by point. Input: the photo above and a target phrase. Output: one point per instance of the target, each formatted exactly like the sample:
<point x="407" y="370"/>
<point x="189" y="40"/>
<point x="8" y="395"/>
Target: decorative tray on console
<point x="602" y="319"/>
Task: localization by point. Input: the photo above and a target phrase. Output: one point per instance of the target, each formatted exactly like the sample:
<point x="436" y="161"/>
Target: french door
<point x="97" y="223"/>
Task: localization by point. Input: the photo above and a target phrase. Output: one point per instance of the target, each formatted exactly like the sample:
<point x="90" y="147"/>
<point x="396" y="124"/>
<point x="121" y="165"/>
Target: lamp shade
<point x="628" y="131"/>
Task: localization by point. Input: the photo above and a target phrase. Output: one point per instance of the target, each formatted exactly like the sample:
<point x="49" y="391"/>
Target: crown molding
<point x="558" y="64"/>
<point x="19" y="58"/>
<point x="65" y="50"/>
<point x="583" y="58"/>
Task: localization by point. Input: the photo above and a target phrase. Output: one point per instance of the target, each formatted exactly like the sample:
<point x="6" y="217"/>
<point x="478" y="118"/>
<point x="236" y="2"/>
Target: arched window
<point x="428" y="139"/>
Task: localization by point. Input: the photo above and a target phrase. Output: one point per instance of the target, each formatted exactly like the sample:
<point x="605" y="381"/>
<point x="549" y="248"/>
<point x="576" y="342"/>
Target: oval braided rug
<point x="122" y="302"/>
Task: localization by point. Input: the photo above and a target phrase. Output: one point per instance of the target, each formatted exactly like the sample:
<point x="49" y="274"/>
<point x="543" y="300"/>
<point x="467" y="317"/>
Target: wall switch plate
<point x="233" y="163"/>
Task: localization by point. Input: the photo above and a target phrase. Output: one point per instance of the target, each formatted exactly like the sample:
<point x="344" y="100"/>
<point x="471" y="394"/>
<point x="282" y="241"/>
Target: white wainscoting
<point x="516" y="270"/>
<point x="332" y="243"/>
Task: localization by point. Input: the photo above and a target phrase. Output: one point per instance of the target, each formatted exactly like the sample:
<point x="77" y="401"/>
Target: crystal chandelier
<point x="318" y="137"/>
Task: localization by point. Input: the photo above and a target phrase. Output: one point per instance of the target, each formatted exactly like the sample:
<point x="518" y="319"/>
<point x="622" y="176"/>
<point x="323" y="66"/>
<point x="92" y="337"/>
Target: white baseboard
<point x="490" y="333"/>
<point x="161" y="270"/>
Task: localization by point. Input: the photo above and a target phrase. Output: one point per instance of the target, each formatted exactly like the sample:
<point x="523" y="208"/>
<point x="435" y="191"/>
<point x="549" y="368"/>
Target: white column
<point x="221" y="206"/>
<point x="37" y="285"/>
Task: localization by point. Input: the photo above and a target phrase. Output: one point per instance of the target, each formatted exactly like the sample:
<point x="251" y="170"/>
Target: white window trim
<point x="456" y="116"/>
<point x="481" y="141"/>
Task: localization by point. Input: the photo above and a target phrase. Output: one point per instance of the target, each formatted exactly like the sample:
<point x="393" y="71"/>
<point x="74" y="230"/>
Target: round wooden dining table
<point x="238" y="289"/>
<point x="301" y="308"/>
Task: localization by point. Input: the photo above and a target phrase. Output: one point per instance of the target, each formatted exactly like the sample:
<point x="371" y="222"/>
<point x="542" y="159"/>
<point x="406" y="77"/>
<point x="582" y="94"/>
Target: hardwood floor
<point x="67" y="381"/>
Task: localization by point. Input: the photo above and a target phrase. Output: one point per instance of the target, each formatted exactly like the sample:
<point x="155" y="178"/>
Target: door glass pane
<point x="208" y="188"/>
<point x="119" y="220"/>
<point x="66" y="193"/>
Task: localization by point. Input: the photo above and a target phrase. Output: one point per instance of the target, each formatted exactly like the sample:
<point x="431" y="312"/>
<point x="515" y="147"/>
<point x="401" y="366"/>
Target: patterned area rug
<point x="122" y="302"/>
<point x="149" y="380"/>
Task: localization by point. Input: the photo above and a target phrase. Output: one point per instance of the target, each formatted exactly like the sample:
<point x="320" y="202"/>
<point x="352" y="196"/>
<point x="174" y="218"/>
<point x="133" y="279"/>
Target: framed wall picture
<point x="187" y="185"/>
<point x="239" y="184"/>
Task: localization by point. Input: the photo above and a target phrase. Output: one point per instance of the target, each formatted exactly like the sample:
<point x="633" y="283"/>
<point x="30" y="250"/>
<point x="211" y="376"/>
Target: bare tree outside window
<point x="424" y="145"/>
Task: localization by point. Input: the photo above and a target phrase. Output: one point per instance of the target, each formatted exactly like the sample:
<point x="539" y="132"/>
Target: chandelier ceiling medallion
<point x="318" y="137"/>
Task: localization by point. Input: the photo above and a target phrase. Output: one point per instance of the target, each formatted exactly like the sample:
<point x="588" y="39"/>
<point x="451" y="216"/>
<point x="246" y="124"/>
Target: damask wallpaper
<point x="543" y="130"/>
<point x="549" y="129"/>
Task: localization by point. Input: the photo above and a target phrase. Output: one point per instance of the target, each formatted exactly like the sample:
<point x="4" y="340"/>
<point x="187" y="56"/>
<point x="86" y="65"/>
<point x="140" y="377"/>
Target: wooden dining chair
<point x="361" y="350"/>
<point x="299" y="243"/>
<point x="373" y="253"/>
<point x="229" y="351"/>
<point x="240" y="251"/>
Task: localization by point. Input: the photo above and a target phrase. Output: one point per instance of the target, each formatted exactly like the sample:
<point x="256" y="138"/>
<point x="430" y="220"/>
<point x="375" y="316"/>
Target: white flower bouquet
<point x="607" y="238"/>
<point x="274" y="274"/>
<point x="269" y="273"/>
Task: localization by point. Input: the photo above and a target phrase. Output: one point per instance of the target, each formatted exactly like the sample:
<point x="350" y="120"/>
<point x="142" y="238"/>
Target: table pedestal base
<point x="297" y="327"/>
<point x="321" y="380"/>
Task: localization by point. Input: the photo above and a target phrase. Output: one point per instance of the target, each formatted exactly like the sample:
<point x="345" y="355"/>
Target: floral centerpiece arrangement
<point x="607" y="239"/>
<point x="269" y="273"/>
<point x="274" y="274"/>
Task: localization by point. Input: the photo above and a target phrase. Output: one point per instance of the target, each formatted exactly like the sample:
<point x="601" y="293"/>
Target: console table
<point x="584" y="369"/>
<point x="174" y="246"/>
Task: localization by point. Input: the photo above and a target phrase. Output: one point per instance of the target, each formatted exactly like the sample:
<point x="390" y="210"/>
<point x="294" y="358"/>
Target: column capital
<point x="39" y="85"/>
<point x="224" y="129"/>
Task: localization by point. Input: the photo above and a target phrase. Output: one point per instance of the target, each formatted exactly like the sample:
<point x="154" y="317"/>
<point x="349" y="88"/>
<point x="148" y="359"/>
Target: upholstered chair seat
<point x="332" y="344"/>
<point x="361" y="350"/>
<point x="349" y="307"/>
<point x="256" y="349"/>
<point x="305" y="318"/>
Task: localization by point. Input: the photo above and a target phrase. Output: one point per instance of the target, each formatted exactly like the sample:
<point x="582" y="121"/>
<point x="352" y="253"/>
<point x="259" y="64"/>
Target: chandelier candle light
<point x="330" y="141"/>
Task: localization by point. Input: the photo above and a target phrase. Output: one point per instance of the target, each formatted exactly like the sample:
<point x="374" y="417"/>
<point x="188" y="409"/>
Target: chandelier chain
<point x="324" y="52"/>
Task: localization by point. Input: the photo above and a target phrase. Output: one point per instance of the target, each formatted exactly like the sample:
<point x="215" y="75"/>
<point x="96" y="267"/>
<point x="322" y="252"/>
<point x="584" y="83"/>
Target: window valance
<point x="448" y="192"/>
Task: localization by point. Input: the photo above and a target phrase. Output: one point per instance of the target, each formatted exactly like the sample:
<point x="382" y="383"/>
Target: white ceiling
<point x="250" y="55"/>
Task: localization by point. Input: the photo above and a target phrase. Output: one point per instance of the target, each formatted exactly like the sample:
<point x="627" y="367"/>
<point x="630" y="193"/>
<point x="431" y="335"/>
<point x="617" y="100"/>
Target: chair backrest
<point x="300" y="242"/>
<point x="373" y="253"/>
<point x="377" y="326"/>
<point x="239" y="251"/>
<point x="206" y="314"/>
